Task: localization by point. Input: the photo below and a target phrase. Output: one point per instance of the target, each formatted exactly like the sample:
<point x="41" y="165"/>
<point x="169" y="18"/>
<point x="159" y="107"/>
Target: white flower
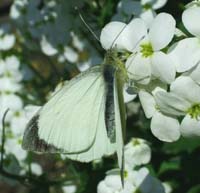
<point x="16" y="8"/>
<point x="140" y="181"/>
<point x="14" y="146"/>
<point x="148" y="16"/>
<point x="7" y="41"/>
<point x="167" y="187"/>
<point x="47" y="48"/>
<point x="30" y="111"/>
<point x="147" y="183"/>
<point x="186" y="53"/>
<point x="70" y="54"/>
<point x="9" y="67"/>
<point x="122" y="36"/>
<point x="36" y="169"/>
<point x="11" y="101"/>
<point x="148" y="60"/>
<point x="8" y="85"/>
<point x="182" y="100"/>
<point x="69" y="189"/>
<point x="170" y="130"/>
<point x="18" y="123"/>
<point x="137" y="152"/>
<point x="143" y="9"/>
<point x="110" y="184"/>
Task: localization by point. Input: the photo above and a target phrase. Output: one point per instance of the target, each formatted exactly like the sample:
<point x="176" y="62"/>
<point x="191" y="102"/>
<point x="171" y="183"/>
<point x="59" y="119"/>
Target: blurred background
<point x="43" y="42"/>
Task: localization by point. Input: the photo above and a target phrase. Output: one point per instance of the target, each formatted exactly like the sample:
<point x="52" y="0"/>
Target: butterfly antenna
<point x="118" y="36"/>
<point x="121" y="32"/>
<point x="136" y="51"/>
<point x="86" y="25"/>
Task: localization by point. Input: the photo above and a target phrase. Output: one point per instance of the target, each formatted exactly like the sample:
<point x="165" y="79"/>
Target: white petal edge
<point x="163" y="67"/>
<point x="148" y="103"/>
<point x="185" y="54"/>
<point x="195" y="74"/>
<point x="165" y="128"/>
<point x="133" y="33"/>
<point x="139" y="68"/>
<point x="190" y="20"/>
<point x="110" y="35"/>
<point x="190" y="127"/>
<point x="171" y="104"/>
<point x="162" y="31"/>
<point x="47" y="48"/>
<point x="186" y="88"/>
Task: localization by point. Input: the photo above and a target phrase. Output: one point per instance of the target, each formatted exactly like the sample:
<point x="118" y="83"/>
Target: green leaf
<point x="169" y="165"/>
<point x="195" y="189"/>
<point x="182" y="145"/>
<point x="12" y="166"/>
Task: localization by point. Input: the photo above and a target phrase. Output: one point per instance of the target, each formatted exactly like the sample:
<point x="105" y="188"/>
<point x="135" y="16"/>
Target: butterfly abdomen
<point x="108" y="74"/>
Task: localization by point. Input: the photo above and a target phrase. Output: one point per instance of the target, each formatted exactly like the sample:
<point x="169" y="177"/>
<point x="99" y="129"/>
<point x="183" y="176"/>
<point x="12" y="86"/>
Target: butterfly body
<point x="113" y="67"/>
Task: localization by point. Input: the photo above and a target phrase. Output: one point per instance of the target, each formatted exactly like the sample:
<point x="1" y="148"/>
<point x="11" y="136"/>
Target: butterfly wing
<point x="71" y="120"/>
<point x="101" y="146"/>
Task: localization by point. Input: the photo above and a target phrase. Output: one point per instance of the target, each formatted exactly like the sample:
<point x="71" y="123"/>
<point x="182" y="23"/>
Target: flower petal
<point x="190" y="127"/>
<point x="186" y="54"/>
<point x="148" y="16"/>
<point x="171" y="104"/>
<point x="109" y="35"/>
<point x="113" y="181"/>
<point x="165" y="128"/>
<point x="139" y="68"/>
<point x="190" y="20"/>
<point x="186" y="88"/>
<point x="7" y="42"/>
<point x="163" y="67"/>
<point x="47" y="48"/>
<point x="103" y="188"/>
<point x="148" y="103"/>
<point x="128" y="97"/>
<point x="194" y="74"/>
<point x="137" y="152"/>
<point x="162" y="31"/>
<point x="134" y="32"/>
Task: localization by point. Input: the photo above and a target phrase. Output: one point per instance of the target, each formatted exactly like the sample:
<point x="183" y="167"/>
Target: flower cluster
<point x="44" y="21"/>
<point x="137" y="153"/>
<point x="144" y="9"/>
<point x="165" y="70"/>
<point x="10" y="88"/>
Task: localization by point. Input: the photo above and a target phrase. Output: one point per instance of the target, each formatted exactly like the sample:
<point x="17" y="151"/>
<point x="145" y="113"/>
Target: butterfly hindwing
<point x="32" y="142"/>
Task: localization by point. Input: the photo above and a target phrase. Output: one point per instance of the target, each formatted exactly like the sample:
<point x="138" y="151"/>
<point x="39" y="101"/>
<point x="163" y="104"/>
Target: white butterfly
<point x="85" y="119"/>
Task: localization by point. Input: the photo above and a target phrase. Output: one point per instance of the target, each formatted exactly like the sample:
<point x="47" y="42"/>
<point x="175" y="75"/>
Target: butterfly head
<point x="117" y="59"/>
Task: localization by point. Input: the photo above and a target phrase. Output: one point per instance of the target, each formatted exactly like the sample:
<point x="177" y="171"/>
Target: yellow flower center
<point x="194" y="111"/>
<point x="146" y="50"/>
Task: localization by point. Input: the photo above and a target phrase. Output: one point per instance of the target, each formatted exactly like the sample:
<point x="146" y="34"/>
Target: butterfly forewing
<point x="69" y="121"/>
<point x="101" y="146"/>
